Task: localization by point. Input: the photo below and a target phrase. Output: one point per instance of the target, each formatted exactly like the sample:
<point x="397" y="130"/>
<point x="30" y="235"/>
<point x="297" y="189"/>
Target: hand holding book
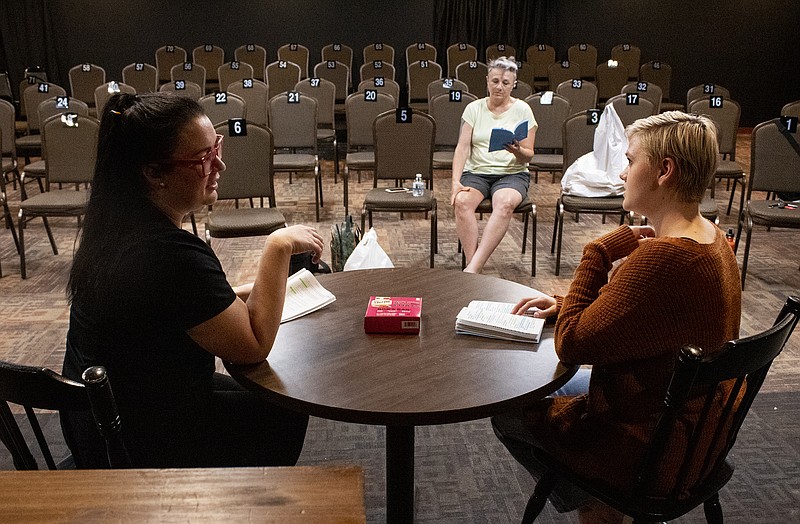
<point x="501" y="137"/>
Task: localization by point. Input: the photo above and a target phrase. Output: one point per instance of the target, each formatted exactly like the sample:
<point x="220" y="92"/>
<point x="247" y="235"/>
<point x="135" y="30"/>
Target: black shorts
<point x="489" y="184"/>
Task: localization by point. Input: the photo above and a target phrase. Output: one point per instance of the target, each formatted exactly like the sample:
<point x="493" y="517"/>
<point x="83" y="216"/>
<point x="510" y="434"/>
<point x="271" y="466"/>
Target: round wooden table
<point x="323" y="364"/>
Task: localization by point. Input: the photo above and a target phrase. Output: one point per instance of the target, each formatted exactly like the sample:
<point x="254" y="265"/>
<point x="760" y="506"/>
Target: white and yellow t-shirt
<point x="482" y="120"/>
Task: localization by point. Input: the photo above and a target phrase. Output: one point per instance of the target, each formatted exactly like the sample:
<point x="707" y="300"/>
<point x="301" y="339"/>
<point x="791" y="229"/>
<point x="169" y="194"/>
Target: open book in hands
<point x="484" y="318"/>
<point x="304" y="294"/>
<point x="500" y="137"/>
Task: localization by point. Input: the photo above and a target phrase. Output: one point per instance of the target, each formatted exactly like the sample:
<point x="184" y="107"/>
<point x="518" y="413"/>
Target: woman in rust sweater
<point x="675" y="282"/>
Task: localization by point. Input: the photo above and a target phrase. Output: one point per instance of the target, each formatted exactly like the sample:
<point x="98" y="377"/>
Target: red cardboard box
<point x="393" y="315"/>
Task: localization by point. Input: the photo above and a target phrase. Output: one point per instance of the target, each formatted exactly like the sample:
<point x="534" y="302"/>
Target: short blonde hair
<point x="504" y="64"/>
<point x="689" y="140"/>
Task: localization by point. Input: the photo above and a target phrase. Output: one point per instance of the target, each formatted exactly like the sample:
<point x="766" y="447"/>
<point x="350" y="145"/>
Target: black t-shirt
<point x="166" y="281"/>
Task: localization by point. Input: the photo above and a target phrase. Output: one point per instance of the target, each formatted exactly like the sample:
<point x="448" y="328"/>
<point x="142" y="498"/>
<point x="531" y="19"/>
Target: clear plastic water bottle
<point x="418" y="188"/>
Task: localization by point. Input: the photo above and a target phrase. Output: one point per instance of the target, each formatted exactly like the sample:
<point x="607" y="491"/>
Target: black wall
<point x="748" y="47"/>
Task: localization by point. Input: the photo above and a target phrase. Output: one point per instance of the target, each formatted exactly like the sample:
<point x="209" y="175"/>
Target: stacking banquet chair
<point x="254" y="93"/>
<point x="47" y="108"/>
<point x="338" y="53"/>
<point x="376" y="68"/>
<point x="585" y="57"/>
<point x="404" y="140"/>
<point x="361" y="110"/>
<point x="725" y="113"/>
<point x="223" y="106"/>
<point x="338" y="73"/>
<point x="458" y="54"/>
<point x="166" y="57"/>
<point x="31" y="143"/>
<point x="630" y="56"/>
<point x="646" y="90"/>
<point x="521" y="90"/>
<point x="474" y="75"/>
<point x="382" y="85"/>
<point x="248" y="175"/>
<point x="70" y="144"/>
<point x="497" y="50"/>
<point x="791" y="109"/>
<point x="378" y="51"/>
<point x="8" y="144"/>
<point x="447" y="110"/>
<point x="526" y="73"/>
<point x="582" y="95"/>
<point x="443" y="86"/>
<point x="297" y="54"/>
<point x="631" y="107"/>
<point x="190" y="72"/>
<point x="281" y="76"/>
<point x="559" y="72"/>
<point x="420" y="51"/>
<point x="7" y="218"/>
<point x="578" y="137"/>
<point x="211" y="57"/>
<point x="610" y="80"/>
<point x="660" y="74"/>
<point x="419" y="75"/>
<point x="83" y="80"/>
<point x="324" y="92"/>
<point x="41" y="388"/>
<point x="185" y="88"/>
<point x="540" y="56"/>
<point x="234" y="71"/>
<point x="550" y="116"/>
<point x="705" y="91"/>
<point x="140" y="76"/>
<point x="774" y="167"/>
<point x="293" y="121"/>
<point x="731" y="379"/>
<point x="252" y="54"/>
<point x="105" y="91"/>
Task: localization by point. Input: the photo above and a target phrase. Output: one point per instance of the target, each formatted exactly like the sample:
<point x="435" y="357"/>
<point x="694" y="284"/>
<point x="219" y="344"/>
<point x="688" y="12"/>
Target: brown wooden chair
<point x="743" y="365"/>
<point x="41" y="388"/>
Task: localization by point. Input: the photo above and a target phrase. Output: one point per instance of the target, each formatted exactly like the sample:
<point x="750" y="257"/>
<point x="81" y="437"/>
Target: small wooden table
<point x="298" y="494"/>
<point x="323" y="364"/>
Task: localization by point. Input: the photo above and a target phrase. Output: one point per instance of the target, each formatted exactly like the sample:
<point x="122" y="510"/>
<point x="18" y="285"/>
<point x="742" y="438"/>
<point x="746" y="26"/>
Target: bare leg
<point x="504" y="202"/>
<point x="466" y="221"/>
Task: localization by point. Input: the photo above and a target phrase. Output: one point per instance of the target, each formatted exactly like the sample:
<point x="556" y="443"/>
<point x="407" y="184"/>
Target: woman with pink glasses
<point x="151" y="303"/>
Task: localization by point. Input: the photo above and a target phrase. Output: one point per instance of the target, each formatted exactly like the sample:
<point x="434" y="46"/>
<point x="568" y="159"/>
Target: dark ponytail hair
<point x="135" y="131"/>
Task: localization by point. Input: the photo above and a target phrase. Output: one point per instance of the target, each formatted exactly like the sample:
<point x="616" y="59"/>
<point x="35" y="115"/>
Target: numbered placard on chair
<point x="378" y="47"/>
<point x="235" y="65"/>
<point x="337" y="47"/>
<point x="656" y="65"/>
<point x="421" y="46"/>
<point x="330" y="64"/>
<point x="44" y="88"/>
<point x="180" y="85"/>
<point x="447" y="83"/>
<point x="314" y="82"/>
<point x="221" y="97"/>
<point x="565" y="64"/>
<point x="292" y="97"/>
<point x="379" y="81"/>
<point x="541" y="47"/>
<point x="501" y="48"/>
<point x="370" y="95"/>
<point x="113" y="87"/>
<point x="708" y="89"/>
<point x="403" y="115"/>
<point x="473" y="64"/>
<point x="250" y="48"/>
<point x="462" y="46"/>
<point x="423" y="64"/>
<point x="138" y="67"/>
<point x="187" y="66"/>
<point x="247" y="83"/>
<point x="237" y="127"/>
<point x="577" y="83"/>
<point x="62" y="102"/>
<point x="641" y="86"/>
<point x="632" y="99"/>
<point x="455" y="95"/>
<point x="583" y="47"/>
<point x="282" y="64"/>
<point x="169" y="48"/>
<point x="293" y="47"/>
<point x="592" y="117"/>
<point x="208" y="48"/>
<point x="626" y="47"/>
<point x="715" y="101"/>
<point x="377" y="64"/>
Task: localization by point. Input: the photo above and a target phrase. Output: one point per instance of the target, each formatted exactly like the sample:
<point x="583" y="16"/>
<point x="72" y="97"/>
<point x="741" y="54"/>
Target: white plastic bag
<point x="368" y="254"/>
<point x="596" y="174"/>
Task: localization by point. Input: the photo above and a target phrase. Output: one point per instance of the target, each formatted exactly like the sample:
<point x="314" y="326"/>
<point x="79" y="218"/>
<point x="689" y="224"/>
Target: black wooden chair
<point x="745" y="362"/>
<point x="41" y="388"/>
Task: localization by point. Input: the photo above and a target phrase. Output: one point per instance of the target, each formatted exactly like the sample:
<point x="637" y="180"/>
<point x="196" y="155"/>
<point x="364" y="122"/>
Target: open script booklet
<point x="304" y="294"/>
<point x="484" y="318"/>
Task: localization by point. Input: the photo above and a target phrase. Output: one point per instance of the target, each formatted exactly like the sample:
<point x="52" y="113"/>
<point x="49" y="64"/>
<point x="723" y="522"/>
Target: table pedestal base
<point x="399" y="474"/>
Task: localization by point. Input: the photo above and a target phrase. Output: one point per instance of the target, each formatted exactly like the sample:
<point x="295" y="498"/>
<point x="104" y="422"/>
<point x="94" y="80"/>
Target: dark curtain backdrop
<point x="518" y="23"/>
<point x="27" y="21"/>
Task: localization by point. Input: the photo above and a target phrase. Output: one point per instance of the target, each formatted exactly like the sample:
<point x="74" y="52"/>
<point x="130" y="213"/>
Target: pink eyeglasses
<point x="206" y="160"/>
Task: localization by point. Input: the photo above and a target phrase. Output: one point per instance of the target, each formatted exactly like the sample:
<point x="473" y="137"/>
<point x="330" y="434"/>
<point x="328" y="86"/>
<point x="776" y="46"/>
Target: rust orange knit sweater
<point x="630" y="327"/>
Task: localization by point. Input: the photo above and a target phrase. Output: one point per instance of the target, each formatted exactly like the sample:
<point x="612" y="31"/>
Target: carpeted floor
<point x="463" y="473"/>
